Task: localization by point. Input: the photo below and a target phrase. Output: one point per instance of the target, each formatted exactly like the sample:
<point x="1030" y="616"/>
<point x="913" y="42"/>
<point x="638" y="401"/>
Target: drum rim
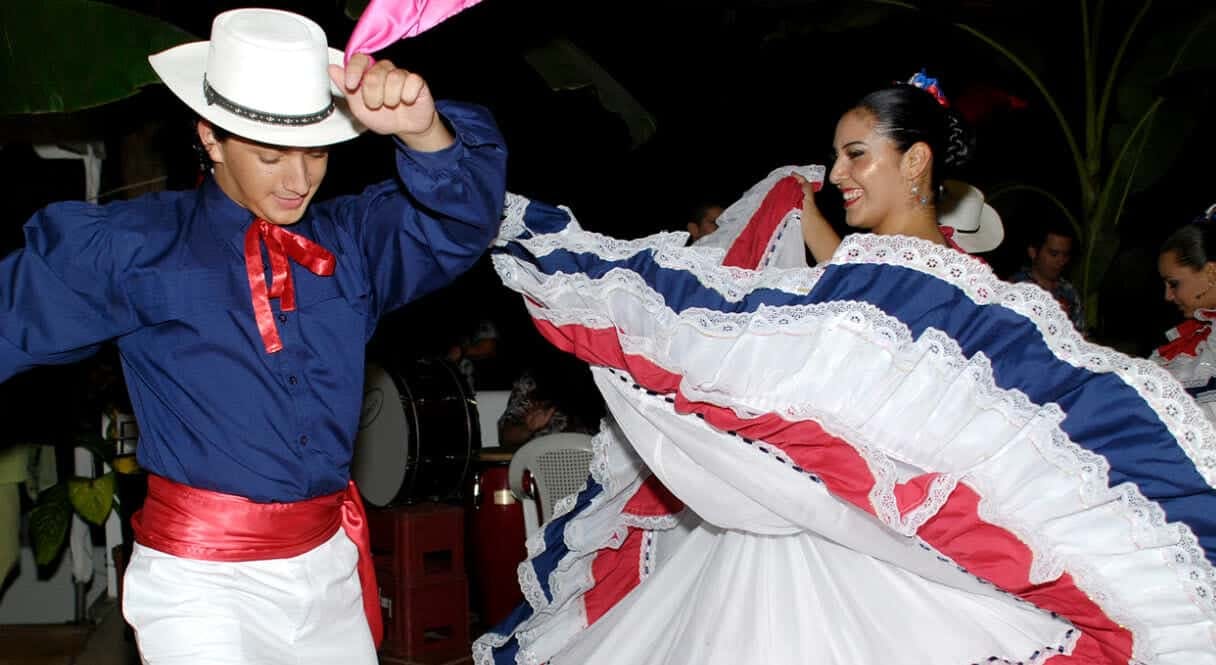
<point x="397" y="374"/>
<point x="362" y="483"/>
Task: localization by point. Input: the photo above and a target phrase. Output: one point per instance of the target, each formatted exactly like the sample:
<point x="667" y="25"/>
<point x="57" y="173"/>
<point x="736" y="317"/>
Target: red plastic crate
<point x="420" y="545"/>
<point x="424" y="624"/>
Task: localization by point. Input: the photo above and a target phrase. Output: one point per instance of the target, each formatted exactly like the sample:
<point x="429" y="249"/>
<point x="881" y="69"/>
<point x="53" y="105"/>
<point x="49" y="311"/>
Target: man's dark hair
<point x="1038" y="236"/>
<point x="204" y="160"/>
<point x="699" y="212"/>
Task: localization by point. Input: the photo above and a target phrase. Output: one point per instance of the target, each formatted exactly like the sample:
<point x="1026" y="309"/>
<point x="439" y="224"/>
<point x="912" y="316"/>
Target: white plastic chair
<point x="559" y="464"/>
<point x="491" y="404"/>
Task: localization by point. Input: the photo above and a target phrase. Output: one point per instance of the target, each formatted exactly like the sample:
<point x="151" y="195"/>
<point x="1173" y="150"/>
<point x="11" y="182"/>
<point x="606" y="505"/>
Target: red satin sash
<point x="199" y="524"/>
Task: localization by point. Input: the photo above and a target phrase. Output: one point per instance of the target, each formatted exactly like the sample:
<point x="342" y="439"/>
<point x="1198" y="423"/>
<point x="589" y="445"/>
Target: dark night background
<point x="736" y="89"/>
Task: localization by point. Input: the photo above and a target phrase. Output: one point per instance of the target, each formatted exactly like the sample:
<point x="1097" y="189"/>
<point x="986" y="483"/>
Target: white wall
<point x="31" y="600"/>
<point x="491" y="404"/>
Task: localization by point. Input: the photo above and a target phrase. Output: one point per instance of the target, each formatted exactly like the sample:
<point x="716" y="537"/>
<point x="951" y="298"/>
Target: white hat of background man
<point x="977" y="226"/>
<point x="263" y="76"/>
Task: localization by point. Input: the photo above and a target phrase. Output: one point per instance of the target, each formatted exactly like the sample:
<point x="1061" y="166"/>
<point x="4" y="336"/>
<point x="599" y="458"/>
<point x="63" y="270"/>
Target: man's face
<point x="274" y="183"/>
<point x="1049" y="261"/>
<point x="706" y="224"/>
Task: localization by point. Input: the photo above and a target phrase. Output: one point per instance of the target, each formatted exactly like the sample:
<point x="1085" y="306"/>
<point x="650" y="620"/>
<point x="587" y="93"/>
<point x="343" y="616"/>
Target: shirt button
<point x="303" y="439"/>
<point x="292" y="379"/>
<point x="283" y="318"/>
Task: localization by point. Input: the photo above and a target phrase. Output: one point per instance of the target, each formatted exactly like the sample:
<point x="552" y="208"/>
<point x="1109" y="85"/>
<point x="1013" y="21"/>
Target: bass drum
<point x="418" y="433"/>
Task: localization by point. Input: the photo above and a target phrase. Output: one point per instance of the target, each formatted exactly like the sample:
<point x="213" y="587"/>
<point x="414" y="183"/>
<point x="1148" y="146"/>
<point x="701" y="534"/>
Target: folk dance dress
<point x="1190" y="358"/>
<point x="890" y="458"/>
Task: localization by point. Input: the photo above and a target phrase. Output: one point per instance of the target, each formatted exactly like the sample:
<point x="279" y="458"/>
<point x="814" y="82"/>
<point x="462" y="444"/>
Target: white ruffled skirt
<point x="895" y="458"/>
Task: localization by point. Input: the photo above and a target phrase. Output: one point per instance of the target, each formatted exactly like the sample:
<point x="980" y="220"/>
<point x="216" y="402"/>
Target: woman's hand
<point x="818" y="235"/>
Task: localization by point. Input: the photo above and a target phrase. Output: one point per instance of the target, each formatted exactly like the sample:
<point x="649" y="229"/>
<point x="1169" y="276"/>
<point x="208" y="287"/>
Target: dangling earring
<point x="923" y="200"/>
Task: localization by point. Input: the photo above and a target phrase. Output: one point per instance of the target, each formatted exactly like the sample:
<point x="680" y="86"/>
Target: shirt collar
<point x="226" y="217"/>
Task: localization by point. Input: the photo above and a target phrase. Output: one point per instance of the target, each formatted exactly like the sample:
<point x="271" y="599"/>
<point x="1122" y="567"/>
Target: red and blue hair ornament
<point x="929" y="84"/>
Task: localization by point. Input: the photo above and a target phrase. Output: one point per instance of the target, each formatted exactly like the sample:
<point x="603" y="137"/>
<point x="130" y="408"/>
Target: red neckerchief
<point x="281" y="244"/>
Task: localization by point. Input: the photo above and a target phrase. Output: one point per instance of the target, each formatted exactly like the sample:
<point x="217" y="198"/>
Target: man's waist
<point x="252" y="472"/>
<point x="201" y="524"/>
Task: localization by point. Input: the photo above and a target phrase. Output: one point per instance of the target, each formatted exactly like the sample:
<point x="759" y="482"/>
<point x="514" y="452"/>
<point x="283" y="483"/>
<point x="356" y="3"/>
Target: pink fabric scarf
<point x="386" y="21"/>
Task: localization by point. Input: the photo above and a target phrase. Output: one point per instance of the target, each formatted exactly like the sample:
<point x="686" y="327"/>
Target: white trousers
<point x="304" y="610"/>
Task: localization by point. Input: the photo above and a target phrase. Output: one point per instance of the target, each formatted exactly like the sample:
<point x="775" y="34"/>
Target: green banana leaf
<point x="48" y="523"/>
<point x="51" y="515"/>
<point x="814" y="19"/>
<point x="61" y="56"/>
<point x="565" y="66"/>
<point x="1164" y="54"/>
<point x="93" y="497"/>
<point x="354" y="8"/>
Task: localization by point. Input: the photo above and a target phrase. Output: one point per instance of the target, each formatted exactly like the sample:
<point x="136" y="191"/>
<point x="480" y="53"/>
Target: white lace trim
<point x="572" y="577"/>
<point x="483" y="648"/>
<point x="1146" y="518"/>
<point x="890" y="334"/>
<point x="512" y="225"/>
<point x="622" y="282"/>
<point x="529" y="583"/>
<point x="734" y="220"/>
<point x="599" y="457"/>
<point x="1161" y="392"/>
<point x="862" y="318"/>
<point x="483" y="653"/>
<point x="566" y="503"/>
<point x="535" y="542"/>
<point x="1181" y="416"/>
<point x="651" y="522"/>
<point x="731" y="282"/>
<point x="1066" y="642"/>
<point x="1183" y="546"/>
<point x="605" y="247"/>
<point x="1191" y="370"/>
<point x="734" y="283"/>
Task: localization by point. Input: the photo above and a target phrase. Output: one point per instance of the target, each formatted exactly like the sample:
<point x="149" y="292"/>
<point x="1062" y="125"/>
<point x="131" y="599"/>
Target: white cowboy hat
<point x="263" y="76"/>
<point x="977" y="226"/>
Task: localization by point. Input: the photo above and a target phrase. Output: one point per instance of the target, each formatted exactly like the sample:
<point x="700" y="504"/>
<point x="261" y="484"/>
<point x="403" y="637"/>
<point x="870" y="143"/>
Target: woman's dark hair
<point x="908" y="115"/>
<point x="1194" y="245"/>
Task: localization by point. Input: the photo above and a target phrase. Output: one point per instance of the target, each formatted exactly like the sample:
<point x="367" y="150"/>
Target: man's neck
<point x="1049" y="284"/>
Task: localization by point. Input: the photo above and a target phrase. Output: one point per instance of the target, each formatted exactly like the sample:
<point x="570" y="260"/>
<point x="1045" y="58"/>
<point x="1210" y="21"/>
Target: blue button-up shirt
<point x="165" y="275"/>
